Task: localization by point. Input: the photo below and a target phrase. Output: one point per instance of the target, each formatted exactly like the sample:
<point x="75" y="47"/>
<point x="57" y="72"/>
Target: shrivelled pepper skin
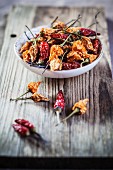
<point x="69" y="66"/>
<point x="33" y="86"/>
<point x="88" y="32"/>
<point x="58" y="35"/>
<point x="97" y="45"/>
<point x="44" y="51"/>
<point x="26" y="124"/>
<point x="21" y="130"/>
<point x="59" y="100"/>
<point x="59" y="105"/>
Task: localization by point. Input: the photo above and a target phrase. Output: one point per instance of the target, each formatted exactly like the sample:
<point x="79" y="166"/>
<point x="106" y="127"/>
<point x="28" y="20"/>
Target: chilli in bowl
<point x="62" y="47"/>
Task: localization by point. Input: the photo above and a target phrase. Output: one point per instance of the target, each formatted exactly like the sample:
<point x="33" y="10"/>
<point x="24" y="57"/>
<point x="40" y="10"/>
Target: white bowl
<point x="52" y="74"/>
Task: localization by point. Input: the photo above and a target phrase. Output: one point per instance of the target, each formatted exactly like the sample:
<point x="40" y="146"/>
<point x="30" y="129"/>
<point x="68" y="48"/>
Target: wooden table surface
<point x="83" y="136"/>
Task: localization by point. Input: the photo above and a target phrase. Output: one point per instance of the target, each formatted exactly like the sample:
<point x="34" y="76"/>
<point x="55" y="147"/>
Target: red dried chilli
<point x="58" y="35"/>
<point x="88" y="32"/>
<point x="59" y="104"/>
<point x="22" y="130"/>
<point x="26" y="129"/>
<point x="44" y="51"/>
<point x="25" y="123"/>
<point x="69" y="66"/>
<point x="59" y="100"/>
<point x="97" y="45"/>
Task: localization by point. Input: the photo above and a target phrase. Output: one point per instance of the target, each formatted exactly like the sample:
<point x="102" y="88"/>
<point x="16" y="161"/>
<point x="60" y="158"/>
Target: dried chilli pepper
<point x="97" y="45"/>
<point x="38" y="97"/>
<point x="25" y="47"/>
<point x="22" y="130"/>
<point x="44" y="51"/>
<point x="81" y="105"/>
<point x="59" y="104"/>
<point x="32" y="87"/>
<point x="78" y="108"/>
<point x="69" y="66"/>
<point x="88" y="32"/>
<point x="26" y="124"/>
<point x="26" y="129"/>
<point x="59" y="35"/>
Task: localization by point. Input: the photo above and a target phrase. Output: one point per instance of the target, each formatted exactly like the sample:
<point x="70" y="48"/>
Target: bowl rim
<point x="59" y="71"/>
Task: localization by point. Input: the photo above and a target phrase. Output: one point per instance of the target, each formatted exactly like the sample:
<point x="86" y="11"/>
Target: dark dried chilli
<point x="59" y="105"/>
<point x="44" y="51"/>
<point x="21" y="130"/>
<point x="58" y="35"/>
<point x="97" y="45"/>
<point x="69" y="66"/>
<point x="25" y="123"/>
<point x="59" y="100"/>
<point x="88" y="32"/>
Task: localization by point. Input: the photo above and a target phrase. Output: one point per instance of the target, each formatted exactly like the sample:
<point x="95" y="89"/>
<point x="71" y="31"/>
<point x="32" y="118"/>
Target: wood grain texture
<point x="86" y="135"/>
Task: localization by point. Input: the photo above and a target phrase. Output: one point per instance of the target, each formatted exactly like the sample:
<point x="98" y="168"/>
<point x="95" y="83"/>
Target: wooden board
<point x="87" y="135"/>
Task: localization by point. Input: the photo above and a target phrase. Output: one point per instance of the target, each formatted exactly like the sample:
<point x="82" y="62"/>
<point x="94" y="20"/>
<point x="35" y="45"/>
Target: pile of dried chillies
<point x="62" y="46"/>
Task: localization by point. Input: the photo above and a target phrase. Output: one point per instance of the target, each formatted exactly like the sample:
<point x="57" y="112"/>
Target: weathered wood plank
<point x="87" y="135"/>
